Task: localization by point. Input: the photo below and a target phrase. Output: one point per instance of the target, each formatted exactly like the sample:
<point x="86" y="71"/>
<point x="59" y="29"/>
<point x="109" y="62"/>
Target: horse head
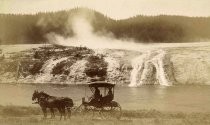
<point x="35" y="95"/>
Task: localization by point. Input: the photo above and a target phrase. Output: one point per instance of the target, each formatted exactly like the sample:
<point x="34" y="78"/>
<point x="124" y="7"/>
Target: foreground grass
<point x="15" y="115"/>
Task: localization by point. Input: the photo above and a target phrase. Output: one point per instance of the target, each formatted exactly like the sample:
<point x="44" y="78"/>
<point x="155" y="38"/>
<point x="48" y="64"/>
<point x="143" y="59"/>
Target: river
<point x="183" y="98"/>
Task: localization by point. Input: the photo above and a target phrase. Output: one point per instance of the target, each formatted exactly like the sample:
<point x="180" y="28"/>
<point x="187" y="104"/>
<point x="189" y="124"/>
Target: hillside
<point x="63" y="65"/>
<point x="77" y="65"/>
<point x="30" y="29"/>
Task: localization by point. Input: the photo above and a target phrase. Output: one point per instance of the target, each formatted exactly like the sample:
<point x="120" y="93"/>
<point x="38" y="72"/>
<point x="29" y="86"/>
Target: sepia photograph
<point x="104" y="62"/>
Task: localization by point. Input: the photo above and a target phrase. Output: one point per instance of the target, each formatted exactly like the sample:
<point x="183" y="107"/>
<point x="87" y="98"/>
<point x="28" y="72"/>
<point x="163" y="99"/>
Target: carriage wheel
<point x="112" y="110"/>
<point x="116" y="111"/>
<point x="88" y="112"/>
<point x="84" y="111"/>
<point x="97" y="113"/>
<point x="106" y="112"/>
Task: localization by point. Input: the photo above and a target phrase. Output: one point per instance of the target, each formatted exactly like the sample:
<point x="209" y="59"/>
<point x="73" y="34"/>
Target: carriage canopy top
<point x="101" y="84"/>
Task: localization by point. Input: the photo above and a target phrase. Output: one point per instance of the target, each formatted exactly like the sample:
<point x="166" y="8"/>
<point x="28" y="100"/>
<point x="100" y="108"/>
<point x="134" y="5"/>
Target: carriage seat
<point x="107" y="99"/>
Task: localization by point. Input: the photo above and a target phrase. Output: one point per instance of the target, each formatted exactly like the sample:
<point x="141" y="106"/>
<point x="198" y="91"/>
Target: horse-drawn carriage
<point x="100" y="104"/>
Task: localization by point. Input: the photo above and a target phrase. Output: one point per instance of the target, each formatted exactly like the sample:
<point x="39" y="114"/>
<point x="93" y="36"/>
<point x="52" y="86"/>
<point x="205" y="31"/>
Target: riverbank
<point x="18" y="115"/>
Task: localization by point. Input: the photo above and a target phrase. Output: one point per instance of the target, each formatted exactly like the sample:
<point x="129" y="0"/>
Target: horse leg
<point x="44" y="110"/>
<point x="60" y="111"/>
<point x="52" y="113"/>
<point x="69" y="112"/>
<point x="64" y="113"/>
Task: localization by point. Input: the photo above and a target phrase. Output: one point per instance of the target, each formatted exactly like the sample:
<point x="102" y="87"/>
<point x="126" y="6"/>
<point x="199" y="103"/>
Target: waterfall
<point x="153" y="67"/>
<point x="137" y="65"/>
<point x="47" y="69"/>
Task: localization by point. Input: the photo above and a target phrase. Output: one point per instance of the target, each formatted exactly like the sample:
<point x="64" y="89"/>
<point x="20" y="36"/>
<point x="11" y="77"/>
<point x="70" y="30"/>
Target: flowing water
<point x="172" y="98"/>
<point x="153" y="67"/>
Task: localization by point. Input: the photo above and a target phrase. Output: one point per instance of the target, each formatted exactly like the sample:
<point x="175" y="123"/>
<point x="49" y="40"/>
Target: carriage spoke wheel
<point x="97" y="113"/>
<point x="106" y="112"/>
<point x="84" y="111"/>
<point x="112" y="111"/>
<point x="116" y="111"/>
<point x="88" y="112"/>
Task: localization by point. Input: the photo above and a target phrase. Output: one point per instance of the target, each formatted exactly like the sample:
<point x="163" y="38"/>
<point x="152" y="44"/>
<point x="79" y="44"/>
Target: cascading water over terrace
<point x="153" y="67"/>
<point x="47" y="69"/>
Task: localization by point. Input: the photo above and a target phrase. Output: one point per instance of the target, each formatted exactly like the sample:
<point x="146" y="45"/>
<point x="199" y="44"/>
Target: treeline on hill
<point x="33" y="28"/>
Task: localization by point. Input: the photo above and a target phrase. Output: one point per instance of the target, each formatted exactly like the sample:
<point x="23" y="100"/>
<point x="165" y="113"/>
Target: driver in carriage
<point x="96" y="96"/>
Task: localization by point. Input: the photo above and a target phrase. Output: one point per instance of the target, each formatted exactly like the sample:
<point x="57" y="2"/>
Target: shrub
<point x="62" y="67"/>
<point x="58" y="69"/>
<point x="96" y="66"/>
<point x="36" y="68"/>
<point x="37" y="55"/>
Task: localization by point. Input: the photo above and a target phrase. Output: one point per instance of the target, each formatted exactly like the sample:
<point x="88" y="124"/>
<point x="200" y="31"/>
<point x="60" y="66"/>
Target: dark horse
<point x="46" y="101"/>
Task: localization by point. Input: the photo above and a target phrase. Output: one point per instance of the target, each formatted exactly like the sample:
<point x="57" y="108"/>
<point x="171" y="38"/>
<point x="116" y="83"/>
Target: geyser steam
<point x="84" y="36"/>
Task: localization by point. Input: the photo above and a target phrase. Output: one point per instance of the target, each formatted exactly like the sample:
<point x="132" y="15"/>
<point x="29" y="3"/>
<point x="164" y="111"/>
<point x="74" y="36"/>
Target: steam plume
<point x="84" y="36"/>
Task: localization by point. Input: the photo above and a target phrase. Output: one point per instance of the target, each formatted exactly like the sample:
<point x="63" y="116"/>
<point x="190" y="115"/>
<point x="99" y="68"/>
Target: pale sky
<point x="117" y="9"/>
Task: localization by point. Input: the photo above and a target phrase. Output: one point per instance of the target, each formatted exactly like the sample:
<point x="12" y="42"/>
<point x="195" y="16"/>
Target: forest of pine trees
<point x="25" y="29"/>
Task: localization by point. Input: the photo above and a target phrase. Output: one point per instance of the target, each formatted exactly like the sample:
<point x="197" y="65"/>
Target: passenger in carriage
<point x="109" y="97"/>
<point x="110" y="94"/>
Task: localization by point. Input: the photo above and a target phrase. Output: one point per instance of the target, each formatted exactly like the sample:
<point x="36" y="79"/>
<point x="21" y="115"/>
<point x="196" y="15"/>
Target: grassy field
<point x="16" y="115"/>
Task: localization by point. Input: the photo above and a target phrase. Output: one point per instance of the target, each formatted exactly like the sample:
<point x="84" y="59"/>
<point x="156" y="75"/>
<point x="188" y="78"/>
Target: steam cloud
<point x="84" y="36"/>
